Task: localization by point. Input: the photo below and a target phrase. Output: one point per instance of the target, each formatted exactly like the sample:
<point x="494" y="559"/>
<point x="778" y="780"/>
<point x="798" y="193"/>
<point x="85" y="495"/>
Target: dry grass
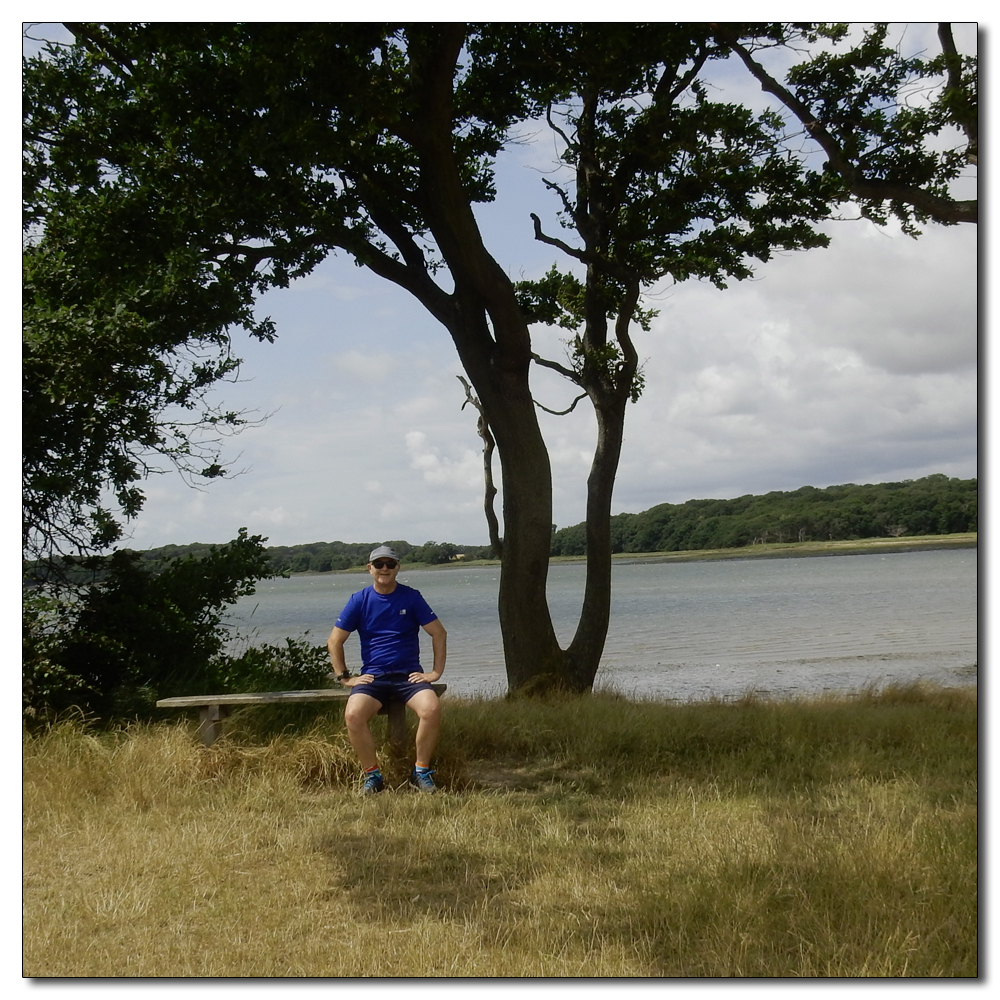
<point x="580" y="837"/>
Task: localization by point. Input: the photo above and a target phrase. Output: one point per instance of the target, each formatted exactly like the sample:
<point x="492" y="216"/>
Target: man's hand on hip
<point x="360" y="679"/>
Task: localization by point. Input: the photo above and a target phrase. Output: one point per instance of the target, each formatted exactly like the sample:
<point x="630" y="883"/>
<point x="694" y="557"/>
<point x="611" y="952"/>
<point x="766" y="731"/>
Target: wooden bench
<point x="214" y="708"/>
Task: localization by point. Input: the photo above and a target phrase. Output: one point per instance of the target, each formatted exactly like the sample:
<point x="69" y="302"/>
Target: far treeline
<point x="934" y="505"/>
<point x="930" y="506"/>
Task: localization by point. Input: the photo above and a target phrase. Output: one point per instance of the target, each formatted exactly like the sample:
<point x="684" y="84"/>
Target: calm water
<point x="698" y="629"/>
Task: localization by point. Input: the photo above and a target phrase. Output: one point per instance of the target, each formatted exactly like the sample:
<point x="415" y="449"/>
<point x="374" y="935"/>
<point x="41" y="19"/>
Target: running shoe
<point x="374" y="783"/>
<point x="422" y="780"/>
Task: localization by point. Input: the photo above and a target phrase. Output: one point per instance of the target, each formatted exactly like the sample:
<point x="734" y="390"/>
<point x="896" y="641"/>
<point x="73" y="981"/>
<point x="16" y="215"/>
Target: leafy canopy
<point x="173" y="171"/>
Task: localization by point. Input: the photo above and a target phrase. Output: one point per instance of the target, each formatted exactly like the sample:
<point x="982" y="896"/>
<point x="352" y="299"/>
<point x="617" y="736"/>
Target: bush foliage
<point x="144" y="630"/>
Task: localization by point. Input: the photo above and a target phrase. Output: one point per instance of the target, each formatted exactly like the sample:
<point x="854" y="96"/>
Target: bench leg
<point x="210" y="722"/>
<point x="397" y="726"/>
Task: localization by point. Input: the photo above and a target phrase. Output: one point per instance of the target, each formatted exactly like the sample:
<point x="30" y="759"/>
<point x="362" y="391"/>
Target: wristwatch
<point x="343" y="676"/>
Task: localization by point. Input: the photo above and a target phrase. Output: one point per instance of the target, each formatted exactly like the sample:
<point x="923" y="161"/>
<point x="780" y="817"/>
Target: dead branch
<point x="489" y="444"/>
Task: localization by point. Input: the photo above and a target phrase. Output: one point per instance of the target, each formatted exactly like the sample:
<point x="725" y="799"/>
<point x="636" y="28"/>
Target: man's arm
<point x="335" y="646"/>
<point x="439" y="643"/>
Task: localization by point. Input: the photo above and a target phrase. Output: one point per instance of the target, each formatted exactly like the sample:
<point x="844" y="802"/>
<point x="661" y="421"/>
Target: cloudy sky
<point x="856" y="363"/>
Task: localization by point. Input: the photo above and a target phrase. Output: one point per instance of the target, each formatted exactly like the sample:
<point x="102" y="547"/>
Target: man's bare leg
<point x="428" y="710"/>
<point x="358" y="714"/>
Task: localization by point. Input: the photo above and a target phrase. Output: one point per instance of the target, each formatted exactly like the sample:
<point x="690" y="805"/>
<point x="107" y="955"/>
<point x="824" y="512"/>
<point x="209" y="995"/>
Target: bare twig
<point x="489" y="444"/>
<point x="561" y="413"/>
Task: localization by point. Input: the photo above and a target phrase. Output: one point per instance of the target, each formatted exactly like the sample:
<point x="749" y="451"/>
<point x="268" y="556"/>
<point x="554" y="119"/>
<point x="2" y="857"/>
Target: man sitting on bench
<point x="387" y="617"/>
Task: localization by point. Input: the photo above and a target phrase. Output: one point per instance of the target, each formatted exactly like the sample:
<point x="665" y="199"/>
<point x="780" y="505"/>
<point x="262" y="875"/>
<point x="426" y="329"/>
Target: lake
<point x="692" y="630"/>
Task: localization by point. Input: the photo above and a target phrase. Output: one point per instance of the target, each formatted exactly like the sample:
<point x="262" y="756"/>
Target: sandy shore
<point x="783" y="550"/>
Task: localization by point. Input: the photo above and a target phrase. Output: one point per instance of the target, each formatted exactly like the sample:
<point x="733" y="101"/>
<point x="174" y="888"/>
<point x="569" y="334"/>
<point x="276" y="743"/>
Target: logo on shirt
<point x="402" y="611"/>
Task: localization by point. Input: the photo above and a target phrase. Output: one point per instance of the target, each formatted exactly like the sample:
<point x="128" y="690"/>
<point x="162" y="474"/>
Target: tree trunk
<point x="535" y="662"/>
<point x="532" y="654"/>
<point x="533" y="658"/>
<point x="586" y="649"/>
<point x="497" y="362"/>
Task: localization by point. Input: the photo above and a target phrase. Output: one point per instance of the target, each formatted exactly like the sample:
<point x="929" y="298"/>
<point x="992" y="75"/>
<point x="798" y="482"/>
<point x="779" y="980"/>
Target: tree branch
<point x="556" y="367"/>
<point x="624" y="320"/>
<point x="483" y="427"/>
<point x="642" y="138"/>
<point x="555" y="128"/>
<point x="630" y="357"/>
<point x="101" y="46"/>
<point x="561" y="413"/>
<point x="969" y="121"/>
<point x="945" y="210"/>
<point x="940" y="209"/>
<point x="594" y="259"/>
<point x="252" y="256"/>
<point x="433" y="53"/>
<point x="838" y="161"/>
<point x="568" y="207"/>
<point x="553" y="242"/>
<point x="418" y="283"/>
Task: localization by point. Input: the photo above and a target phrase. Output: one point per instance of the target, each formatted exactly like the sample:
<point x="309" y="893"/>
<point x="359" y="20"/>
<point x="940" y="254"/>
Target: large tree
<point x="126" y="327"/>
<point x="265" y="147"/>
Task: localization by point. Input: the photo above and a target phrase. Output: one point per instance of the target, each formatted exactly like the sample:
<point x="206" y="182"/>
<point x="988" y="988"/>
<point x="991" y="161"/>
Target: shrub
<point x="295" y="665"/>
<point x="137" y="633"/>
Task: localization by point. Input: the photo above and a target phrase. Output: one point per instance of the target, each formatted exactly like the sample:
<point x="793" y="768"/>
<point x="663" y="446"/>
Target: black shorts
<point x="391" y="687"/>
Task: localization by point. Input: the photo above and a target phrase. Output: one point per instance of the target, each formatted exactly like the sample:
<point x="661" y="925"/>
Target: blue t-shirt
<point x="388" y="626"/>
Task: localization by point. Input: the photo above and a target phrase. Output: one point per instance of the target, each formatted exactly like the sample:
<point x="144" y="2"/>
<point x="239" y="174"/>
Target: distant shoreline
<point x="785" y="550"/>
<point x="769" y="550"/>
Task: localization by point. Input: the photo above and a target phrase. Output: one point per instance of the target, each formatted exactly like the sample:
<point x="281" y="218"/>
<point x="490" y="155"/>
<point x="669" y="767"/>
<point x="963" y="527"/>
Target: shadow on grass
<point x="386" y="879"/>
<point x="785" y="917"/>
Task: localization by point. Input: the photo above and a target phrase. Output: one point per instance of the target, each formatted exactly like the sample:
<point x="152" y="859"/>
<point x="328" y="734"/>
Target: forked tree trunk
<point x="533" y="658"/>
<point x="535" y="663"/>
<point x="497" y="362"/>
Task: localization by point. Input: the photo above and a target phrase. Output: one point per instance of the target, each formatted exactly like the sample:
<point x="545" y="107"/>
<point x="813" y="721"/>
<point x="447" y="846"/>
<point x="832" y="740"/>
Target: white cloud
<point x="390" y="512"/>
<point x="791" y="380"/>
<point x="369" y="374"/>
<point x="462" y="473"/>
<point x="273" y="515"/>
<point x="908" y="306"/>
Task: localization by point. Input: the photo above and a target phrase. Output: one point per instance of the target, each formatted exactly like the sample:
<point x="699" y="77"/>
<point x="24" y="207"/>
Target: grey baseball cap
<point x="383" y="552"/>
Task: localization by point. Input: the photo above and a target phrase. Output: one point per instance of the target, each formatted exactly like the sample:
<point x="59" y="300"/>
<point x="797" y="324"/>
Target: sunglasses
<point x="385" y="564"/>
